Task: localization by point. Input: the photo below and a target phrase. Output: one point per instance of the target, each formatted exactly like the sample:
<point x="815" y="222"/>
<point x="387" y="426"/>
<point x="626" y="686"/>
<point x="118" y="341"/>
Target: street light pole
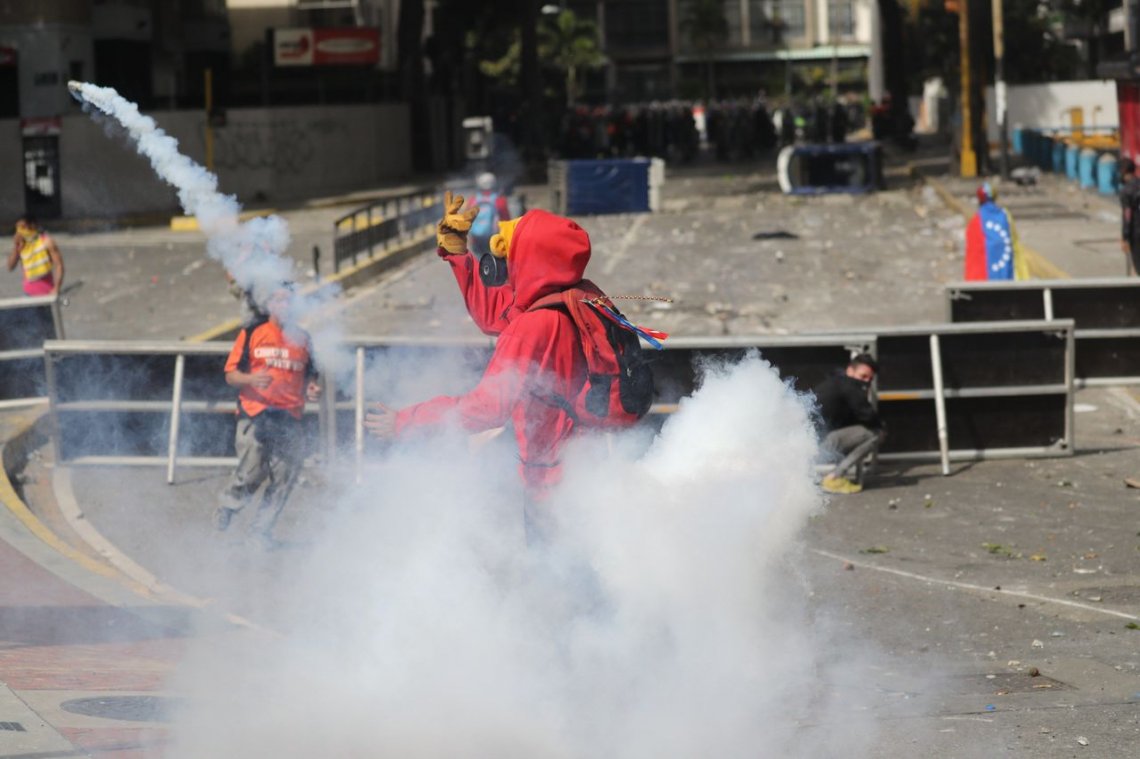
<point x="967" y="160"/>
<point x="999" y="88"/>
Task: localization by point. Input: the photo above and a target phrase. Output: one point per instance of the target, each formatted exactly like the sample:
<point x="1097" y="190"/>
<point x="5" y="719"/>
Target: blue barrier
<point x="1040" y="150"/>
<point x="1086" y="168"/>
<point x="1072" y="160"/>
<point x="1058" y="165"/>
<point x="607" y="186"/>
<point x="1107" y="182"/>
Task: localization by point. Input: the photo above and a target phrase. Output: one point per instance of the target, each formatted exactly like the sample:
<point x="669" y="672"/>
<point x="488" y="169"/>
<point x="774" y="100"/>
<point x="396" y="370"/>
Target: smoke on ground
<point x="662" y="615"/>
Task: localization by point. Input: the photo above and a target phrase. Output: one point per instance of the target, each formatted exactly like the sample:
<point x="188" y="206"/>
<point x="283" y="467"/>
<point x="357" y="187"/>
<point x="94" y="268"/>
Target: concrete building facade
<point x="771" y="45"/>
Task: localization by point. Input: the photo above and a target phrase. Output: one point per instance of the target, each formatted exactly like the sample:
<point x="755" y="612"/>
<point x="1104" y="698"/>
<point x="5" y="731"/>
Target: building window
<point x="789" y="14"/>
<point x="841" y="18"/>
<point x="760" y="21"/>
<point x="637" y="24"/>
<point x="733" y="19"/>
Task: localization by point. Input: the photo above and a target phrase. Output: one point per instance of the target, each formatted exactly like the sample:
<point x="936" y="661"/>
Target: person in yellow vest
<point x="40" y="256"/>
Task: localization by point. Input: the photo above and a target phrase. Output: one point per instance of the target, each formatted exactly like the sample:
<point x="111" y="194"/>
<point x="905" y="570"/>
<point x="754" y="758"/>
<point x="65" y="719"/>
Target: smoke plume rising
<point x="253" y="252"/>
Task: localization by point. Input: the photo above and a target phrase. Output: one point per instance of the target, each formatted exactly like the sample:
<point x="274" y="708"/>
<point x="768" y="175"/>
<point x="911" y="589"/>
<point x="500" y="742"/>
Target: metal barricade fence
<point x="992" y="390"/>
<point x="802" y="360"/>
<point x="976" y="391"/>
<point x="25" y="323"/>
<point x="384" y="224"/>
<point x="1106" y="312"/>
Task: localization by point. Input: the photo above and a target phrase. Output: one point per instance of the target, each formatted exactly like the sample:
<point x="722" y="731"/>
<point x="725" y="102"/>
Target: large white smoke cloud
<point x="660" y="618"/>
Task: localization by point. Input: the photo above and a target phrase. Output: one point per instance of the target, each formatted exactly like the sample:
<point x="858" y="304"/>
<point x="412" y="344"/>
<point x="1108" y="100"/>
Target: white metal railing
<point x="25" y="323"/>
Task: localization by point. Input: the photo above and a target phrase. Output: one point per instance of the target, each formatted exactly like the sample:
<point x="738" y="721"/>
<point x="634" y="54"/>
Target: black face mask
<point x="492" y="270"/>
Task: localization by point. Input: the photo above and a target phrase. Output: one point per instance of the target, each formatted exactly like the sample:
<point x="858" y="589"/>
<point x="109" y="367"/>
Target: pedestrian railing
<point x="25" y="323"/>
<point x="119" y="402"/>
<point x="1106" y="313"/>
<point x="386" y="224"/>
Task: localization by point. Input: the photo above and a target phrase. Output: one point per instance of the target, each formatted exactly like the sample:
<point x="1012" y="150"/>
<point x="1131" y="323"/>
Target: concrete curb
<point x="14" y="453"/>
<point x="117" y="569"/>
<point x="1040" y="267"/>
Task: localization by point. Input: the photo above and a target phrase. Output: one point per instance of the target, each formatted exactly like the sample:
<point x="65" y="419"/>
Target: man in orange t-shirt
<point x="272" y="367"/>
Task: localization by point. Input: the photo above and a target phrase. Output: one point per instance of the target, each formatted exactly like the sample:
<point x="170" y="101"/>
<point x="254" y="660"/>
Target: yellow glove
<point x="501" y="243"/>
<point x="451" y="232"/>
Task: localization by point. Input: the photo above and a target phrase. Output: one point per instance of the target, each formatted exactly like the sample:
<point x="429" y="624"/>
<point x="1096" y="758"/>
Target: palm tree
<point x="705" y="24"/>
<point x="570" y="44"/>
<point x="567" y="43"/>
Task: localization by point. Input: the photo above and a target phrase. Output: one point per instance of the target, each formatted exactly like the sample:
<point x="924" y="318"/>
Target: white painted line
<point x="613" y="257"/>
<point x="1125" y="401"/>
<point x="978" y="588"/>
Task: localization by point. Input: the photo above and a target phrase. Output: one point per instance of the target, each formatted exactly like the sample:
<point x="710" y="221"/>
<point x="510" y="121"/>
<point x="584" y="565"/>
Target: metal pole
<point x="175" y="417"/>
<point x="317" y="262"/>
<point x="1070" y="378"/>
<point x="359" y="401"/>
<point x="1047" y="297"/>
<point x="53" y="401"/>
<point x="999" y="88"/>
<point x="834" y="70"/>
<point x="940" y="403"/>
<point x="967" y="160"/>
<point x="57" y="319"/>
<point x="209" y="84"/>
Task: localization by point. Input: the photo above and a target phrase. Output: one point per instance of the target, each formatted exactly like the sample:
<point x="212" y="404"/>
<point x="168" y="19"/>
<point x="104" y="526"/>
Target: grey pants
<point x="275" y="463"/>
<point x="852" y="444"/>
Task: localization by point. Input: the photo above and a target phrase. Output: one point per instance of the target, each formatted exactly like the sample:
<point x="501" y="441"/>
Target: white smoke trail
<point x="663" y="619"/>
<point x="252" y="252"/>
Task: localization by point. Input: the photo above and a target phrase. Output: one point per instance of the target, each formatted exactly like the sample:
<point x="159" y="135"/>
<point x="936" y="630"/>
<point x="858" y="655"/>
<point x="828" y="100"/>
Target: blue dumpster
<point x="1018" y="141"/>
<point x="1107" y="182"/>
<point x="1086" y="168"/>
<point x="606" y="186"/>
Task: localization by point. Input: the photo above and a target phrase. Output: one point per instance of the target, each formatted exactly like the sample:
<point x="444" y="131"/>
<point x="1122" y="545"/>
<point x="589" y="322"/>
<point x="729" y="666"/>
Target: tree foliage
<point x="566" y="44"/>
<point x="570" y="45"/>
<point x="1034" y="51"/>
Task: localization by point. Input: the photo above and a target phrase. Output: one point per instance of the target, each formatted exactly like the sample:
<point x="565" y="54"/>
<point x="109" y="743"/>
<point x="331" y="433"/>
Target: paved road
<point x="926" y="603"/>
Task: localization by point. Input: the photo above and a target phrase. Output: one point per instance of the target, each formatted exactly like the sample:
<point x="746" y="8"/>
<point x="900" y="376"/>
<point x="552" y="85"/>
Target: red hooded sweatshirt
<point x="538" y="353"/>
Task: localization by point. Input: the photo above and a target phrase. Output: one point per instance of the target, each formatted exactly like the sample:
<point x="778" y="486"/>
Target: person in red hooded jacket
<point x="538" y="355"/>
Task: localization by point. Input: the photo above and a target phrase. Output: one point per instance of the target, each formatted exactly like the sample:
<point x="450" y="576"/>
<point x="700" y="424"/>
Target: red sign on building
<point x="324" y="46"/>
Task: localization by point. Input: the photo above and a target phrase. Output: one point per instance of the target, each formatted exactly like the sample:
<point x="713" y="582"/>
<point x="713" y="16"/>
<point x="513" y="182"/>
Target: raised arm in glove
<point x="451" y="232"/>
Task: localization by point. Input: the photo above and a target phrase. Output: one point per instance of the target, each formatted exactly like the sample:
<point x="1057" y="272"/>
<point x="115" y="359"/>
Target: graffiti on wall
<point x="284" y="147"/>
